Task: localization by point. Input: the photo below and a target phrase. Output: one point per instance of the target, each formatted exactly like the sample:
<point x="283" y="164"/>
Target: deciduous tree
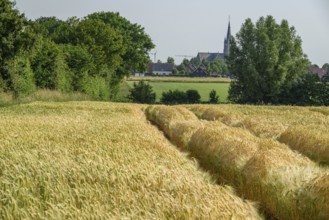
<point x="267" y="59"/>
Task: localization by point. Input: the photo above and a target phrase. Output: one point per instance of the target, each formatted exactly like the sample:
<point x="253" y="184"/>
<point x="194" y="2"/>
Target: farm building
<point x="161" y="69"/>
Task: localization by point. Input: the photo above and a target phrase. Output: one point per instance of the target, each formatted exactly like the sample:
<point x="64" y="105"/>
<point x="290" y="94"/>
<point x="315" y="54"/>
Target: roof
<point x="317" y="71"/>
<point x="167" y="67"/>
<point x="210" y="56"/>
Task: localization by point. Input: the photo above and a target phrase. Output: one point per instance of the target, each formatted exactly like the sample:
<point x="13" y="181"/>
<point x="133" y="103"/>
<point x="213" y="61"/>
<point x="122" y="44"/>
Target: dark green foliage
<point x="81" y="64"/>
<point x="22" y="76"/>
<point x="103" y="43"/>
<point x="267" y="59"/>
<point x="174" y="97"/>
<point x="12" y="41"/>
<point x="50" y="69"/>
<point x="193" y="96"/>
<point x="170" y="60"/>
<point x="213" y="97"/>
<point x="308" y="91"/>
<point x="137" y="42"/>
<point x="142" y="93"/>
<point x="90" y="55"/>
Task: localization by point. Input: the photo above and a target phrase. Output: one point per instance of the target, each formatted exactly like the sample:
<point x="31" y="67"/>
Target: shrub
<point x="96" y="87"/>
<point x="142" y="93"/>
<point x="21" y="75"/>
<point x="193" y="96"/>
<point x="213" y="97"/>
<point x="174" y="97"/>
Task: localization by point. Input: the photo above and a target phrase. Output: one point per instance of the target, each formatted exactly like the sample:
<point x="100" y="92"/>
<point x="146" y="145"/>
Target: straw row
<point x="263" y="170"/>
<point x="311" y="142"/>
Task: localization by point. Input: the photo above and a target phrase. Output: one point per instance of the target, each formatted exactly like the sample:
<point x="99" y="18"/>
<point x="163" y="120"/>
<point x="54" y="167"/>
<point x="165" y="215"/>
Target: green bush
<point x="213" y="97"/>
<point x="96" y="87"/>
<point x="21" y="75"/>
<point x="50" y="68"/>
<point x="174" y="97"/>
<point x="193" y="96"/>
<point x="142" y="93"/>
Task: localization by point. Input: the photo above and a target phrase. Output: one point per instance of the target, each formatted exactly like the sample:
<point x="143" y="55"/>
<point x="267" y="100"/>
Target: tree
<point x="267" y="60"/>
<point x="193" y="96"/>
<point x="325" y="66"/>
<point x="213" y="97"/>
<point x="81" y="64"/>
<point x="174" y="97"/>
<point x="50" y="68"/>
<point x="170" y="60"/>
<point x="12" y="25"/>
<point x="21" y="75"/>
<point x="137" y="42"/>
<point x="142" y="93"/>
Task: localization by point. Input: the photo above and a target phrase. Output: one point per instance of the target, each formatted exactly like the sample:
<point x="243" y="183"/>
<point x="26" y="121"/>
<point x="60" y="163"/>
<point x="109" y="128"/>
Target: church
<point x="212" y="56"/>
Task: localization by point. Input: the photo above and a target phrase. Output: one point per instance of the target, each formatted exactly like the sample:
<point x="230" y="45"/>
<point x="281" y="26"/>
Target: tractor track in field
<point x="257" y="168"/>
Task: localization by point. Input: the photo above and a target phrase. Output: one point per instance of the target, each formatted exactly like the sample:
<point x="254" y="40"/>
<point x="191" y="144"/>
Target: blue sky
<point x="186" y="27"/>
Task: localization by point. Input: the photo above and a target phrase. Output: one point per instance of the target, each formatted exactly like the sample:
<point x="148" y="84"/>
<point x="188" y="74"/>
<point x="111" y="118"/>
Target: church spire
<point x="227" y="39"/>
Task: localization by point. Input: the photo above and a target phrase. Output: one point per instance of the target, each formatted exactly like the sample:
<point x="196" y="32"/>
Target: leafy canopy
<point x="267" y="60"/>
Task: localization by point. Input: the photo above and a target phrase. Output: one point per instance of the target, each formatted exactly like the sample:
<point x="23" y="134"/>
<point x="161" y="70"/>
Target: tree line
<point x="93" y="54"/>
<point x="89" y="55"/>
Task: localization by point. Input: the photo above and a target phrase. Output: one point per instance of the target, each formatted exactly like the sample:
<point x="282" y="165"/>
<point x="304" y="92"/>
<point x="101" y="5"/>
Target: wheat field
<point x="93" y="160"/>
<point x="286" y="184"/>
<point x="96" y="160"/>
<point x="303" y="129"/>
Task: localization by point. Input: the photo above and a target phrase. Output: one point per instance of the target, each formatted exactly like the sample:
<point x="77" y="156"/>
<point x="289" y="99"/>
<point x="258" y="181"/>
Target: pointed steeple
<point x="227" y="39"/>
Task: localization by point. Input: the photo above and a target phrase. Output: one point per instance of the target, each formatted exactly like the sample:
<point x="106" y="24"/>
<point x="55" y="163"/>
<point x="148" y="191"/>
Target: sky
<point x="181" y="28"/>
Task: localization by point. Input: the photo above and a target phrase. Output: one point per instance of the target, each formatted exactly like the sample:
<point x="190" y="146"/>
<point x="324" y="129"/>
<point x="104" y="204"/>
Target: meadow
<point x="202" y="87"/>
<point x="98" y="160"/>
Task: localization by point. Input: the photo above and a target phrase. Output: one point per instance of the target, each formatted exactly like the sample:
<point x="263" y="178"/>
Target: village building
<point x="160" y="69"/>
<point x="320" y="72"/>
<point x="200" y="71"/>
<point x="212" y="56"/>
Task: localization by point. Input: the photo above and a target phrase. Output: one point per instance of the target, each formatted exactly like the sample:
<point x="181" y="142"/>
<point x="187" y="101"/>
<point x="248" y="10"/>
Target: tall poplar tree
<point x="266" y="59"/>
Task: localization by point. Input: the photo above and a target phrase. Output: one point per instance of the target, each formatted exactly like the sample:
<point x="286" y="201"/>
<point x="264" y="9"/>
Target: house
<point x="200" y="71"/>
<point x="212" y="56"/>
<point x="161" y="69"/>
<point x="318" y="71"/>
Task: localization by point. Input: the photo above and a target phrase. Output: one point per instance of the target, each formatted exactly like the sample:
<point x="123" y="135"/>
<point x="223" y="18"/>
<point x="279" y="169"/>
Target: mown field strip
<point x="204" y="88"/>
<point x="91" y="160"/>
<point x="302" y="129"/>
<point x="288" y="185"/>
<point x="179" y="79"/>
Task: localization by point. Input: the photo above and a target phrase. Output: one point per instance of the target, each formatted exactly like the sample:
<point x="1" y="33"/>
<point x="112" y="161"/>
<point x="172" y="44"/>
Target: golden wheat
<point x="310" y="142"/>
<point x="263" y="170"/>
<point x="317" y="195"/>
<point x="90" y="160"/>
<point x="302" y="128"/>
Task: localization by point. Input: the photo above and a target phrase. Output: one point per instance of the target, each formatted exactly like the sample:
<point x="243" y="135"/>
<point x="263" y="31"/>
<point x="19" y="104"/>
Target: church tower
<point x="227" y="40"/>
